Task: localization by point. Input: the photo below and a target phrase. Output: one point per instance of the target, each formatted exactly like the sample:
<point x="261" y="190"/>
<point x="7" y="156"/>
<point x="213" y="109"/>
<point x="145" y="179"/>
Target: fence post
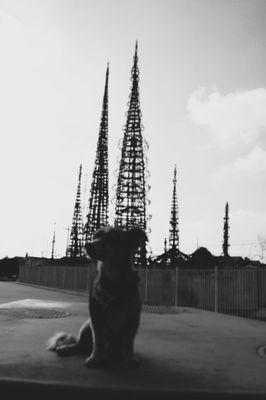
<point x="176" y="286"/>
<point x="46" y="276"/>
<point x="75" y="277"/>
<point x="215" y="289"/>
<point x="88" y="280"/>
<point x="39" y="275"/>
<point x="146" y="286"/>
<point x="64" y="277"/>
<point x="54" y="276"/>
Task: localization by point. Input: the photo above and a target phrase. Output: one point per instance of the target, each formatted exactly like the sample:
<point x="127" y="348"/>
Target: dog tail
<point x="59" y="339"/>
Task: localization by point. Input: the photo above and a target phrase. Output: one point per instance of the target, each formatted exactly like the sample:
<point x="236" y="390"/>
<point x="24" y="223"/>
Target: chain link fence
<point x="240" y="292"/>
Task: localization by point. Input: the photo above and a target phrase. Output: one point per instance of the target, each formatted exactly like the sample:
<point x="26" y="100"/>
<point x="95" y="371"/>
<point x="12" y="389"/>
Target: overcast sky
<point x="203" y="98"/>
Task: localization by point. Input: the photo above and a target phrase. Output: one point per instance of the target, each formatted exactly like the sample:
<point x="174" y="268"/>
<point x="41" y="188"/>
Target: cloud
<point x="230" y="119"/>
<point x="254" y="164"/>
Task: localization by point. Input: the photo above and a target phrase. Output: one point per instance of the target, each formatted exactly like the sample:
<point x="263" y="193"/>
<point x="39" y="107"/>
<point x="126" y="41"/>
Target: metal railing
<point x="240" y="292"/>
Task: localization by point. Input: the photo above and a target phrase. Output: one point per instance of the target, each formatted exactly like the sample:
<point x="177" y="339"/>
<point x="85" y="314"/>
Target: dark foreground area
<point x="190" y="354"/>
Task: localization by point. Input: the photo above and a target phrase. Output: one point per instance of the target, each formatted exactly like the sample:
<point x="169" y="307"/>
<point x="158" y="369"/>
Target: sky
<point x="203" y="100"/>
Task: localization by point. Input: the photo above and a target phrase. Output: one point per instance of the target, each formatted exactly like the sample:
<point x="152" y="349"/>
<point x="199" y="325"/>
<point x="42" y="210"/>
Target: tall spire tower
<point x="226" y="232"/>
<point x="131" y="201"/>
<point x="75" y="248"/>
<point x="174" y="223"/>
<point x="99" y="194"/>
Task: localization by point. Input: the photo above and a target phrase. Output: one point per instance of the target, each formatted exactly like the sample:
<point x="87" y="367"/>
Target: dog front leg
<point x="129" y="338"/>
<point x="96" y="358"/>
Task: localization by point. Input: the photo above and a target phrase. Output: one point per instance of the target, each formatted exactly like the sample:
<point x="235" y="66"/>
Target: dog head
<point x="115" y="245"/>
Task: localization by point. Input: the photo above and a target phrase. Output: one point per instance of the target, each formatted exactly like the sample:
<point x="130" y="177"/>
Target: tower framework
<point x="75" y="248"/>
<point x="174" y="222"/>
<point x="131" y="199"/>
<point x="173" y="256"/>
<point x="226" y="232"/>
<point x="99" y="193"/>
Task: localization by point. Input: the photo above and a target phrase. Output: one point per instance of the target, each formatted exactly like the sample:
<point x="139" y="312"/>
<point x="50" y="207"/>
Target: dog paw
<point x="93" y="362"/>
<point x="63" y="350"/>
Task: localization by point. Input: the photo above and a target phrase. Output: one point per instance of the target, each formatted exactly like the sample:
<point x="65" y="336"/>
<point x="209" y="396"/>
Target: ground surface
<point x="190" y="351"/>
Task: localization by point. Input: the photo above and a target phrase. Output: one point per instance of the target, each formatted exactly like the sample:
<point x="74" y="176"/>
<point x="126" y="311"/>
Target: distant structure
<point x="174" y="222"/>
<point x="67" y="245"/>
<point x="165" y="245"/>
<point x="75" y="248"/>
<point x="226" y="232"/>
<point x="173" y="256"/>
<point x="131" y="199"/>
<point x="99" y="193"/>
<point x="262" y="247"/>
<point x="53" y="245"/>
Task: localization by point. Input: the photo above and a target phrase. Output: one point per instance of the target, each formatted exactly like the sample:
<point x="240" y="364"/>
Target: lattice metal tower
<point x="75" y="248"/>
<point x="174" y="222"/>
<point x="173" y="257"/>
<point x="131" y="200"/>
<point x="226" y="232"/>
<point x="99" y="194"/>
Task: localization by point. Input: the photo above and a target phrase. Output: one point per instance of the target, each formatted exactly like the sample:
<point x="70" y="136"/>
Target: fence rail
<point x="235" y="292"/>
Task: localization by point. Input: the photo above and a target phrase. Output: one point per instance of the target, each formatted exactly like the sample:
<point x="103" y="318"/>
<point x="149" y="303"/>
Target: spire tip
<point x="136" y="47"/>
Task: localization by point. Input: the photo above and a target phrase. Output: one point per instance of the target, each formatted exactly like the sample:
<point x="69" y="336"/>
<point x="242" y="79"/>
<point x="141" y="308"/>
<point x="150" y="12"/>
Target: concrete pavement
<point x="190" y="353"/>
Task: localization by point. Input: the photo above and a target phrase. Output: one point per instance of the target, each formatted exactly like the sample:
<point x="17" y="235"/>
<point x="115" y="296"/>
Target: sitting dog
<point x="114" y="302"/>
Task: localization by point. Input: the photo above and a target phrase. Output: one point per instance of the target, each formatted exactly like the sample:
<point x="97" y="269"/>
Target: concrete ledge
<point x="188" y="355"/>
<point x="32" y="388"/>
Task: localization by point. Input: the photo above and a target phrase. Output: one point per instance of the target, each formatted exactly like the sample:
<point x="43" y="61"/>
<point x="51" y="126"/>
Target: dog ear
<point x="137" y="237"/>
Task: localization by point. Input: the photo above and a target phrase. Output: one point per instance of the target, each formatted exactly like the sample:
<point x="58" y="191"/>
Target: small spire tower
<point x="99" y="193"/>
<point x="226" y="232"/>
<point x="53" y="245"/>
<point x="131" y="201"/>
<point x="174" y="223"/>
<point x="173" y="257"/>
<point x="165" y="245"/>
<point x="75" y="248"/>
